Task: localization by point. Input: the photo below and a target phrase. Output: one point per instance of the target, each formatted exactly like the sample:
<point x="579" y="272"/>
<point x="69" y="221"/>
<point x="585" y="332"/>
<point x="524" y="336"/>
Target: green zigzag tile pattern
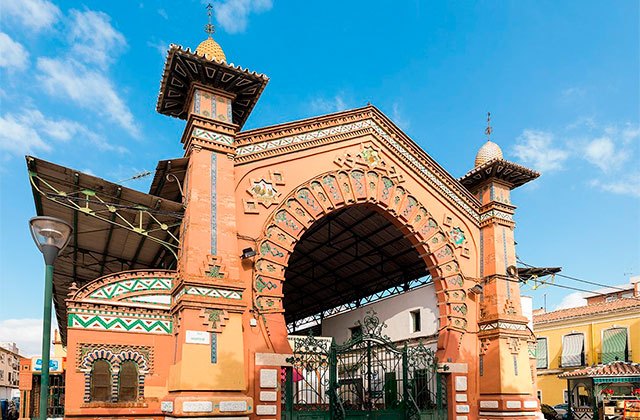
<point x="209" y="292"/>
<point x="109" y="291"/>
<point x="113" y="323"/>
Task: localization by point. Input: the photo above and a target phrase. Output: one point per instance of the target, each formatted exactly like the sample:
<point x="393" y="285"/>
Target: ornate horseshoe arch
<point x="358" y="184"/>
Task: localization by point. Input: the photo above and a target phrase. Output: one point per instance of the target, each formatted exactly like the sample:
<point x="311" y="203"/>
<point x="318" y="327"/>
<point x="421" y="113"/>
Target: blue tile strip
<point x="481" y="254"/>
<point x="214" y="348"/>
<point x="506" y="262"/>
<point x="214" y="210"/>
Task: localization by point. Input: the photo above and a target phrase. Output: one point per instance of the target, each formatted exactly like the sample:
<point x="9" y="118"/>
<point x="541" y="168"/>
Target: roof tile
<point x="610" y="369"/>
<point x="596" y="308"/>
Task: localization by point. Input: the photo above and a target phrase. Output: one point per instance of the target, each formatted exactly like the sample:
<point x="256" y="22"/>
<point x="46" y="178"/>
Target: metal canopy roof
<point x="526" y="273"/>
<point x="346" y="256"/>
<point x="105" y="217"/>
<point x="169" y="178"/>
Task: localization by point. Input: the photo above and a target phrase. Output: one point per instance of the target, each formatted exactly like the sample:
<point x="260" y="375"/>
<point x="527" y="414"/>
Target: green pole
<point x="46" y="342"/>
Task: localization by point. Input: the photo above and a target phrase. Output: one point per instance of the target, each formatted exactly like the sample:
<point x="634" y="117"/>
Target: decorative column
<point x="506" y="386"/>
<point x="209" y="300"/>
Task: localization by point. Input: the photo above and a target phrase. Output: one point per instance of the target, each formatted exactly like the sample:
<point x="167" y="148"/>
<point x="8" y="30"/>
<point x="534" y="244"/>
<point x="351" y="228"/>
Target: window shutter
<point x="541" y="354"/>
<point x="101" y="381"/>
<point x="614" y="345"/>
<point x="572" y="350"/>
<point x="128" y="381"/>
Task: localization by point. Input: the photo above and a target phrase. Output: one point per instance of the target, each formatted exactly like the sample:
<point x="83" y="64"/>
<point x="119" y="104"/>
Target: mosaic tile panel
<point x="133" y="323"/>
<point x="207" y="135"/>
<point x="122" y="287"/>
<point x="210" y="292"/>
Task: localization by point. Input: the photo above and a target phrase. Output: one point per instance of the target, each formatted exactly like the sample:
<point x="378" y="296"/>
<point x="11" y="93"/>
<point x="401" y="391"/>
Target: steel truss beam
<point x="316" y="319"/>
<point x="91" y="203"/>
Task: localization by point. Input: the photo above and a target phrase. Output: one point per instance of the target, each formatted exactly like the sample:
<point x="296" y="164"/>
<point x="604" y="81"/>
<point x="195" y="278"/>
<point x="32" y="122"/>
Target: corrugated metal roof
<point x="99" y="247"/>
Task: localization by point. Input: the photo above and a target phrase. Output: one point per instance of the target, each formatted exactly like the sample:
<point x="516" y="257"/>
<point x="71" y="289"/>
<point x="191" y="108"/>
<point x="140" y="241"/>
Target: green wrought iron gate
<point x="367" y="377"/>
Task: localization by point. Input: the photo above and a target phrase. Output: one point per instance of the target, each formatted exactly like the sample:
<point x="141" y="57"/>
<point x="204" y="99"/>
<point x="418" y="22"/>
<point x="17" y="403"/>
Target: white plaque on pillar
<point x="268" y="378"/>
<point x="233" y="406"/>
<point x="197" y="337"/>
<point x="197" y="406"/>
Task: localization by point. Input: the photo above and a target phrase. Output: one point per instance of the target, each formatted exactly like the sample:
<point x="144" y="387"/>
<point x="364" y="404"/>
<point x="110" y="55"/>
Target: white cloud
<point x="630" y="133"/>
<point x="573" y="93"/>
<point x="603" y="153"/>
<point x="163" y="13"/>
<point x="34" y="14"/>
<point x="87" y="88"/>
<point x="626" y="185"/>
<point x="12" y="54"/>
<point x="398" y="117"/>
<point x="232" y="15"/>
<point x="325" y="106"/>
<point x="536" y="148"/>
<point x="18" y="137"/>
<point x="572" y="300"/>
<point x="93" y="38"/>
<point x="26" y="333"/>
<point x="29" y="131"/>
<point x="161" y="46"/>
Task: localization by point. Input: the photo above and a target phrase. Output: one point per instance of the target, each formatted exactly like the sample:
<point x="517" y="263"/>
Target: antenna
<point x="489" y="129"/>
<point x="136" y="176"/>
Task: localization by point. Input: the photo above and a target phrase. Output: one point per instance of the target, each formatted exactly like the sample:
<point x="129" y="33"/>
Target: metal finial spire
<point x="209" y="28"/>
<point x="488" y="130"/>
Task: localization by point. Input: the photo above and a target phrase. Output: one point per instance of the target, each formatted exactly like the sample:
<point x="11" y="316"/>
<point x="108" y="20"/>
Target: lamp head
<point x="477" y="289"/>
<point x="248" y="253"/>
<point x="51" y="235"/>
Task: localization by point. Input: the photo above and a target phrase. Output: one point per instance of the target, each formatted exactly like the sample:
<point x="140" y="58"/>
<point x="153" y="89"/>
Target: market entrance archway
<point x="344" y="258"/>
<point x="369" y="208"/>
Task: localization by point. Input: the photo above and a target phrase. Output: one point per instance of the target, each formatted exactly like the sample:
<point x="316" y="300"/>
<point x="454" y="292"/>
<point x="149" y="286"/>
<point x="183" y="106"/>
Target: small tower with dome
<point x="491" y="181"/>
<point x="215" y="99"/>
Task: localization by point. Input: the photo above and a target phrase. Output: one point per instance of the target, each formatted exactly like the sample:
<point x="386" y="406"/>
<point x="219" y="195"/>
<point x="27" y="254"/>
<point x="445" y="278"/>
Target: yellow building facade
<point x="605" y="330"/>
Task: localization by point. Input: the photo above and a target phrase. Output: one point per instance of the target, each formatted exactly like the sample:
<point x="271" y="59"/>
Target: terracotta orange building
<point x="175" y="303"/>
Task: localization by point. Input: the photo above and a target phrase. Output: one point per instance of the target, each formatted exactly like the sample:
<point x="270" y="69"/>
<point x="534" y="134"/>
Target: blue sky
<point x="79" y="83"/>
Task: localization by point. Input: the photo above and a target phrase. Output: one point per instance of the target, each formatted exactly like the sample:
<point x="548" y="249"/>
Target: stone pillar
<point x="506" y="387"/>
<point x="208" y="300"/>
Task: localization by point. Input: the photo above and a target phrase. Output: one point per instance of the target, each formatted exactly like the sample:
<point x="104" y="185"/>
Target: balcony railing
<point x="628" y="357"/>
<point x="585" y="363"/>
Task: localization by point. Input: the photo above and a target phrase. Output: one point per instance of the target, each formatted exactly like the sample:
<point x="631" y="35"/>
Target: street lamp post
<point x="51" y="235"/>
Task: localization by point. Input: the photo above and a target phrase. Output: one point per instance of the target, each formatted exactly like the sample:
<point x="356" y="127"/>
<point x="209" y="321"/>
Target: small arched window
<point x="101" y="381"/>
<point x="128" y="381"/>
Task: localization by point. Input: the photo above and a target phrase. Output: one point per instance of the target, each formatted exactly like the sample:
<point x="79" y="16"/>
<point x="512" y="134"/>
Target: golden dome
<point x="211" y="50"/>
<point x="487" y="152"/>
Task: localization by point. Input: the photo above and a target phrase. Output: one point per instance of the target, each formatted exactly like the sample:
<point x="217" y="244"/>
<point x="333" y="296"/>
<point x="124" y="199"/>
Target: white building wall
<point x="527" y="309"/>
<point x="394" y="311"/>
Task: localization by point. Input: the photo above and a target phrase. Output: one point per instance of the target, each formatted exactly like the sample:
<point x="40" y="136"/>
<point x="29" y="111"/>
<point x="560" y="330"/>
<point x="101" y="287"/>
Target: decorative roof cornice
<point x="184" y="67"/>
<point x="286" y="138"/>
<point x="511" y="173"/>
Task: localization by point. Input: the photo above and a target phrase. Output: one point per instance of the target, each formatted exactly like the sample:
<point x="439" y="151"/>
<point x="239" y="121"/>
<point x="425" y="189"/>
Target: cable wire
<point x="581" y="281"/>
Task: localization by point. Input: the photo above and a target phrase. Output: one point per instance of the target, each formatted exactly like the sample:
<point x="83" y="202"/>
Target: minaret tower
<point x="207" y="375"/>
<point x="508" y="389"/>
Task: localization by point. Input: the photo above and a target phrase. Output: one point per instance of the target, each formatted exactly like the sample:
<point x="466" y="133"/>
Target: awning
<point x="617" y="380"/>
<point x="572" y="350"/>
<point x="614" y="345"/>
<point x="541" y="354"/>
